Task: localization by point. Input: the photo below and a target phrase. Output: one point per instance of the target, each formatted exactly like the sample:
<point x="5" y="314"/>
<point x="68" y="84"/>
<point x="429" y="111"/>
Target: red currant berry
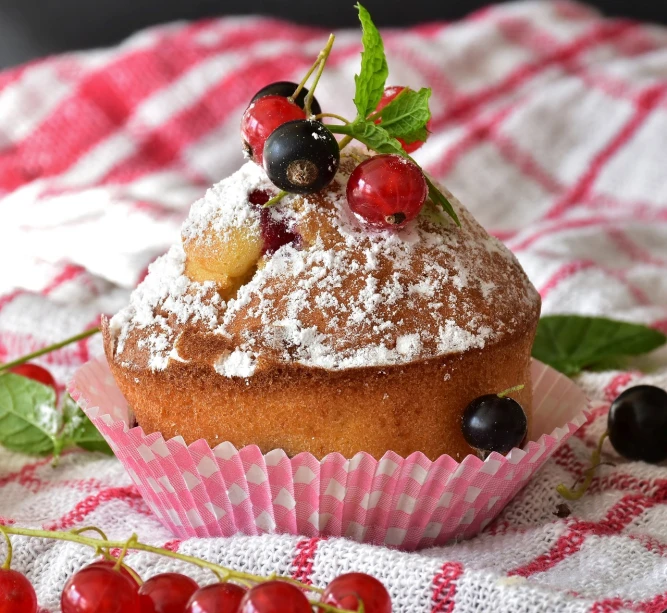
<point x="98" y="589"/>
<point x="261" y="118"/>
<point x="389" y="94"/>
<point x="275" y="233"/>
<point x="348" y="591"/>
<point x="287" y="89"/>
<point x="386" y="191"/>
<point x="111" y="565"/>
<point x="16" y="593"/>
<point x="166" y="593"/>
<point x="216" y="598"/>
<point x="36" y="373"/>
<point x="275" y="597"/>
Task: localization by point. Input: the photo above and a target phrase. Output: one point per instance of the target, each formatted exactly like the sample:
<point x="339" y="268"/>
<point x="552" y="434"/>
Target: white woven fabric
<point x="550" y="123"/>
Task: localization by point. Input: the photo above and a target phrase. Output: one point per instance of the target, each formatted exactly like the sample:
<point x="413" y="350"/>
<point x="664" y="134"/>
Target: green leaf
<point x="439" y="199"/>
<point x="570" y="343"/>
<point x="373" y="136"/>
<point x="373" y="75"/>
<point x="406" y="115"/>
<point x="435" y="214"/>
<point x="29" y="419"/>
<point x="80" y="431"/>
<point x="31" y="423"/>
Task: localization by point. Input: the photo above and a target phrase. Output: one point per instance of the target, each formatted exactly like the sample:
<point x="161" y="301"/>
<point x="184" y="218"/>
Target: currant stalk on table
<point x="575" y="493"/>
<point x="109" y="585"/>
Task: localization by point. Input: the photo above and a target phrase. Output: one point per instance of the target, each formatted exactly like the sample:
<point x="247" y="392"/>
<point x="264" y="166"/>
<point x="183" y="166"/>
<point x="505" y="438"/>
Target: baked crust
<point x="407" y="408"/>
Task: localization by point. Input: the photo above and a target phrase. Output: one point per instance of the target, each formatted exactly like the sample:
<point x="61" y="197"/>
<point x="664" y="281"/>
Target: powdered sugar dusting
<point x="165" y="299"/>
<point x="226" y="203"/>
<point x="236" y="364"/>
<point x="343" y="297"/>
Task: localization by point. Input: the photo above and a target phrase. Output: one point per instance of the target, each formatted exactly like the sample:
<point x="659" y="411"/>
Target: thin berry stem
<point x="90" y="529"/>
<point x="344" y="129"/>
<point x="35" y="354"/>
<point x="119" y="562"/>
<point x="334" y="116"/>
<point x="516" y="388"/>
<point x="324" y="55"/>
<point x="276" y="199"/>
<point x="10" y="550"/>
<point x="345" y="142"/>
<point x="312" y="69"/>
<point x="221" y="572"/>
<point x="575" y="494"/>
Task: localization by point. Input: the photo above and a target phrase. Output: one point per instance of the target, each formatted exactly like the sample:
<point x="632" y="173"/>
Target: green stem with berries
<point x="507" y="392"/>
<point x="324" y="55"/>
<point x="10" y="552"/>
<point x="345" y="142"/>
<point x="103" y="545"/>
<point x="35" y="354"/>
<point x="276" y="199"/>
<point x="333" y="116"/>
<point x="318" y="64"/>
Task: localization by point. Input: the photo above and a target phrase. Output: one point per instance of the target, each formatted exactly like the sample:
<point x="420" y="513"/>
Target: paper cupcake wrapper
<point x="409" y="503"/>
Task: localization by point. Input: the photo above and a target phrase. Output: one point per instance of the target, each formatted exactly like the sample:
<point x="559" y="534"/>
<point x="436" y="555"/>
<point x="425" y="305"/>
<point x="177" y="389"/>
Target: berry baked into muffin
<point x="351" y="314"/>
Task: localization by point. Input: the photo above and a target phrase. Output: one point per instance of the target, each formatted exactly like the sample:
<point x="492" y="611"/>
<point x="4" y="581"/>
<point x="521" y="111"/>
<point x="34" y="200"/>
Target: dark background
<point x="32" y="28"/>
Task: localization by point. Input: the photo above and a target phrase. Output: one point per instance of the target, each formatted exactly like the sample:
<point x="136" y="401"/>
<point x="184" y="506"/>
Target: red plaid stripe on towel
<point x="550" y="123"/>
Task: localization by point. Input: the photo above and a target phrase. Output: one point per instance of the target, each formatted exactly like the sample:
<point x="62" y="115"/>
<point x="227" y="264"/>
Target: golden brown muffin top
<point x="338" y="296"/>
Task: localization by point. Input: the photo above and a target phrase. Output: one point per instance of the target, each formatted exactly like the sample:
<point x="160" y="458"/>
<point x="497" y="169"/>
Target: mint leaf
<point x="570" y="343"/>
<point x="373" y="136"/>
<point x="406" y="115"/>
<point x="31" y="423"/>
<point x="80" y="431"/>
<point x="434" y="213"/>
<point x="373" y="75"/>
<point x="29" y="419"/>
<point x="438" y="198"/>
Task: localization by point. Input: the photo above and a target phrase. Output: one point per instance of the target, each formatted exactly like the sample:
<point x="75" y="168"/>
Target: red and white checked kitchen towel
<point x="550" y="123"/>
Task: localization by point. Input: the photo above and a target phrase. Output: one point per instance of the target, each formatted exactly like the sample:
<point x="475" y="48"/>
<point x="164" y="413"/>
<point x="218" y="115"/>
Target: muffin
<point x="296" y="327"/>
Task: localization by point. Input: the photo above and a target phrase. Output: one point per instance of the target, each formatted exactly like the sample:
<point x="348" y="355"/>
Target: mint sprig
<point x="372" y="135"/>
<point x="374" y="70"/>
<point x="31" y="423"/>
<point x="404" y="117"/>
<point x="572" y="343"/>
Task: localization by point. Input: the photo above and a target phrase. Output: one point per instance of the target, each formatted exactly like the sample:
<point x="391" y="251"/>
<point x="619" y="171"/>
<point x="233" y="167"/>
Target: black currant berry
<point x="286" y="89"/>
<point x="637" y="424"/>
<point x="491" y="423"/>
<point x="301" y="156"/>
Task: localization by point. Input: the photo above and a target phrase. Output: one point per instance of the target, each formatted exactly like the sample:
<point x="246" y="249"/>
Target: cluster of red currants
<point x="301" y="155"/>
<point x="102" y="588"/>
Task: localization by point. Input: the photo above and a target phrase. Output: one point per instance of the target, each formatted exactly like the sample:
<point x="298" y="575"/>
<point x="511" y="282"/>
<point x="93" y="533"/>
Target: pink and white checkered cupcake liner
<point x="409" y="503"/>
